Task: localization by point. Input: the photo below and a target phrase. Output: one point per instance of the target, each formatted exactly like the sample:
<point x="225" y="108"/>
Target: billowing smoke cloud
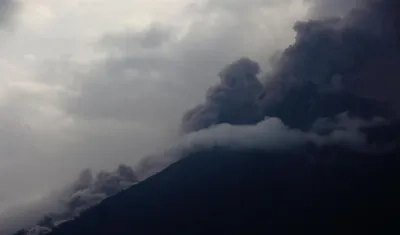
<point x="356" y="54"/>
<point x="233" y="101"/>
<point x="84" y="193"/>
<point x="336" y="65"/>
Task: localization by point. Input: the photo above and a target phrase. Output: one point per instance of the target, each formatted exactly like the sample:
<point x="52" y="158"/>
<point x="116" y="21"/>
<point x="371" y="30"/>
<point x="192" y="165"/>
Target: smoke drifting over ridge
<point x="85" y="192"/>
<point x="322" y="90"/>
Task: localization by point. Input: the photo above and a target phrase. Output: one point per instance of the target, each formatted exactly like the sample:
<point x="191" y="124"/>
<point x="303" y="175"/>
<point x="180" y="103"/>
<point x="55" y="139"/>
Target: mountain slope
<point x="247" y="192"/>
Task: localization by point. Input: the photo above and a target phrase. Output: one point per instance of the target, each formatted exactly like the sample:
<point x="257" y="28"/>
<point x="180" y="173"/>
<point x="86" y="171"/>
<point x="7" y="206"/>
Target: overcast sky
<point x="92" y="83"/>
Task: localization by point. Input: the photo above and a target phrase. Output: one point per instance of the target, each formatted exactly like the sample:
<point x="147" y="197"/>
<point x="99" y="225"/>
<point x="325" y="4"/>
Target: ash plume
<point x="85" y="192"/>
<point x="339" y="64"/>
<point x="335" y="65"/>
<point x="233" y="101"/>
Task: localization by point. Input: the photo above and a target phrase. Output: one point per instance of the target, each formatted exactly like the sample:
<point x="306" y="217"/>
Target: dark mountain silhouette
<point x="306" y="190"/>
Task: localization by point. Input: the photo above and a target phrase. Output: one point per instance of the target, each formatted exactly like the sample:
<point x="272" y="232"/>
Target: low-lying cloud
<point x="272" y="134"/>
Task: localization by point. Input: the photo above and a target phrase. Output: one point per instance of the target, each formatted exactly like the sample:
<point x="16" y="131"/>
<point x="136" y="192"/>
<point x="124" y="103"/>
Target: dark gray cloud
<point x="233" y="101"/>
<point x="358" y="52"/>
<point x="342" y="122"/>
<point x="7" y="10"/>
<point x="335" y="65"/>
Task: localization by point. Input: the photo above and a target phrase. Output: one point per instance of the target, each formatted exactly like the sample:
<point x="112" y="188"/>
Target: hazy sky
<point x="92" y="83"/>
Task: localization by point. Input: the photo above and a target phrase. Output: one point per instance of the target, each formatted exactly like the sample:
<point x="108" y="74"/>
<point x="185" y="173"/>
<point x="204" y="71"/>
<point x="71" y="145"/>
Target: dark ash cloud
<point x="335" y="65"/>
<point x="233" y="101"/>
<point x="357" y="54"/>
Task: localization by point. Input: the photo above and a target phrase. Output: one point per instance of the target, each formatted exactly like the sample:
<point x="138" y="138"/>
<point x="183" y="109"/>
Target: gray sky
<point x="92" y="83"/>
